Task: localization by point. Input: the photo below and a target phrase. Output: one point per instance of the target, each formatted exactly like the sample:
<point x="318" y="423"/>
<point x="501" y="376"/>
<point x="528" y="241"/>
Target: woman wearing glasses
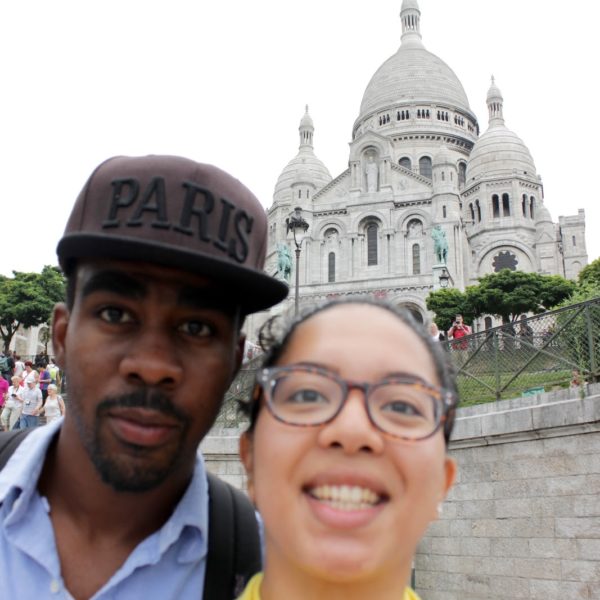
<point x="346" y="453"/>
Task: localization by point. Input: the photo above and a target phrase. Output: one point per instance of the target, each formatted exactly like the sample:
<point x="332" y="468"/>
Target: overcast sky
<point x="226" y="83"/>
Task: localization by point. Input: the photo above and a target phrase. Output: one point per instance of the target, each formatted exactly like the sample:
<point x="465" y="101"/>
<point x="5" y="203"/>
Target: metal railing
<point x="529" y="356"/>
<point x="524" y="357"/>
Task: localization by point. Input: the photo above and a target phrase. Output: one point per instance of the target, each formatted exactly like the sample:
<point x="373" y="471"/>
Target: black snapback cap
<point x="174" y="212"/>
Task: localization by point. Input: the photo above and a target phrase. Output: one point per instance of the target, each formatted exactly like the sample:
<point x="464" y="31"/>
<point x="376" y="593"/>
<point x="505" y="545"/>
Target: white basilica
<point x="418" y="170"/>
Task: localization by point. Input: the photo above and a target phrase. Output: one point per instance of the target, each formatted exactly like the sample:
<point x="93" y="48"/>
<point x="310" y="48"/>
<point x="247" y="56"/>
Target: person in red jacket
<point x="459" y="330"/>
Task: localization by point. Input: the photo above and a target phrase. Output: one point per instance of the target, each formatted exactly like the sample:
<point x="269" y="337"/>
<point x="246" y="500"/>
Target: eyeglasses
<point x="401" y="405"/>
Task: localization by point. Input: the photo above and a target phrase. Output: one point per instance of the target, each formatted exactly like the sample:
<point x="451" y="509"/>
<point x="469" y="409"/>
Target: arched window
<point x="525" y="204"/>
<point x="471" y="209"/>
<point x="487" y="323"/>
<point x="405" y="162"/>
<point x="505" y="205"/>
<point x="371" y="244"/>
<point x="414" y="228"/>
<point x="478" y="211"/>
<point x="495" y="206"/>
<point x="531" y="206"/>
<point x="416" y="259"/>
<point x="425" y="166"/>
<point x="331" y="267"/>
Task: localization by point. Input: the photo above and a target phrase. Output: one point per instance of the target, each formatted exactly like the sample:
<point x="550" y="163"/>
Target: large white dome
<point x="413" y="74"/>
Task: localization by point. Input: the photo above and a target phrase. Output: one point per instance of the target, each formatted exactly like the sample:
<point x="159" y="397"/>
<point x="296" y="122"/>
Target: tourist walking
<point x="32" y="402"/>
<point x="54" y="407"/>
<point x="12" y="407"/>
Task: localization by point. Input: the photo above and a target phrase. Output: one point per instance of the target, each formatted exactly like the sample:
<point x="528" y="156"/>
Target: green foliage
<point x="590" y="275"/>
<point x="508" y="294"/>
<point x="27" y="299"/>
<point x="446" y="304"/>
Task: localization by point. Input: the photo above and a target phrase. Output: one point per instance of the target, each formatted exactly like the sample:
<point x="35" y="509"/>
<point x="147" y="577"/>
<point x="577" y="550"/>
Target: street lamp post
<point x="298" y="226"/>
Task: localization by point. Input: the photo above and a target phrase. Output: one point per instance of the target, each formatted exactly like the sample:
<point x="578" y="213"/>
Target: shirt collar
<point x="19" y="479"/>
<point x="23" y="469"/>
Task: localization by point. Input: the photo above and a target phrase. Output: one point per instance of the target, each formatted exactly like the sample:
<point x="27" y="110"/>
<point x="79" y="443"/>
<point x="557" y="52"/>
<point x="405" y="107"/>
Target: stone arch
<point x="361" y="219"/>
<point x="413" y="304"/>
<point x="487" y="252"/>
<point x="420" y="214"/>
<point x="329" y="223"/>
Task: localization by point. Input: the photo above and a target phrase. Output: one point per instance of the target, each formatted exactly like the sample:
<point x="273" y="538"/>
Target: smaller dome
<point x="305" y="167"/>
<point x="542" y="214"/>
<point x="499" y="151"/>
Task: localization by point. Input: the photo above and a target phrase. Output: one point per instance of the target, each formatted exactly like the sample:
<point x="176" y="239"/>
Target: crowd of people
<point x="29" y="391"/>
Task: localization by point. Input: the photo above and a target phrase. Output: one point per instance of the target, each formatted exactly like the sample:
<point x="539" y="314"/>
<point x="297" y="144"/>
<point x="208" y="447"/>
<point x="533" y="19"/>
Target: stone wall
<point x="523" y="520"/>
<point x="220" y="451"/>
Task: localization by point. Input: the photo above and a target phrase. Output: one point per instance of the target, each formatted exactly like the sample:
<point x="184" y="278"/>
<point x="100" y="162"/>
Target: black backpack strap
<point x="9" y="441"/>
<point x="233" y="542"/>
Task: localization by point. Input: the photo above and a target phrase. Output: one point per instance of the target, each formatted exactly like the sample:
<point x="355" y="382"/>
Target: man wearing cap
<point x="163" y="258"/>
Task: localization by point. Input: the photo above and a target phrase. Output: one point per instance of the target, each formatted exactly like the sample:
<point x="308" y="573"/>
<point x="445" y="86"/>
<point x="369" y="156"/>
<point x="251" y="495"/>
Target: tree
<point x="509" y="294"/>
<point x="446" y="304"/>
<point x="590" y="274"/>
<point x="27" y="299"/>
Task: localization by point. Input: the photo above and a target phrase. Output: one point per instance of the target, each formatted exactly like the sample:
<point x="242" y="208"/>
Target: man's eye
<point x="112" y="314"/>
<point x="196" y="328"/>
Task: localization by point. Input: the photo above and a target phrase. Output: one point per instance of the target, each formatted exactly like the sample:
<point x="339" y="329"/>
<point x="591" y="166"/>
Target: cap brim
<point x="254" y="289"/>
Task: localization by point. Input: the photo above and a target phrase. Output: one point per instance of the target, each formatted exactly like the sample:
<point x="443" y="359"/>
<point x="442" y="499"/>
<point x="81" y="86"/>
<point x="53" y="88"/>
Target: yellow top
<point x="252" y="591"/>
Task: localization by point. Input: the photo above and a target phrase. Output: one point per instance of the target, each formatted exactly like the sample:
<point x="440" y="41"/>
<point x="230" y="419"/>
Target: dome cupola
<point x="499" y="151"/>
<point x="305" y="169"/>
<point x="415" y="83"/>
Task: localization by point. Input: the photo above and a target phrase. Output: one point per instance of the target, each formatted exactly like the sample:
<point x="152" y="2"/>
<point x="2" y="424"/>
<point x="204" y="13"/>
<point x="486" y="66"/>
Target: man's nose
<point x="151" y="359"/>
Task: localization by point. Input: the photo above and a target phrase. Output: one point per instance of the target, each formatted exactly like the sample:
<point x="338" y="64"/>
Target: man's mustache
<point x="144" y="398"/>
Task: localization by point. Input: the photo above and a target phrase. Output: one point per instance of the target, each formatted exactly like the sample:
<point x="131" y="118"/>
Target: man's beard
<point x="120" y="471"/>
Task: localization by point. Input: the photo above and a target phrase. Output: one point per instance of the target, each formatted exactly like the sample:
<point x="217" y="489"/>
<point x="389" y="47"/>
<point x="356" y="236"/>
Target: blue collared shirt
<point x="169" y="564"/>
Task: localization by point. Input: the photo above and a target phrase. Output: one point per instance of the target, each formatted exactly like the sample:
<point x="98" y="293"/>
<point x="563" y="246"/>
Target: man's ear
<point x="60" y="324"/>
<point x="247" y="458"/>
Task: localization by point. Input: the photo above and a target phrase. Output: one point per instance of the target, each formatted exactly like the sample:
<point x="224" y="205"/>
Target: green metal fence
<point x="530" y="355"/>
<point x="525" y="357"/>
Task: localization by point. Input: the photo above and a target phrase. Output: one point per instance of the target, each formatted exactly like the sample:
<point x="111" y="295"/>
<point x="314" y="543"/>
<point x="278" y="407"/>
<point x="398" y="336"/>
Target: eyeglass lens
<point x="407" y="410"/>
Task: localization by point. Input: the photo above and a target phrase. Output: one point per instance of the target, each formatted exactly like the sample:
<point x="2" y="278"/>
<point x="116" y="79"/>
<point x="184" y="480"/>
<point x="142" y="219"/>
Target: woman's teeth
<point x="345" y="497"/>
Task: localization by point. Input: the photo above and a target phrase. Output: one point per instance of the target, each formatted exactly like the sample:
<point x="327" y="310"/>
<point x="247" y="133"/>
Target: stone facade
<point x="417" y="163"/>
<point x="523" y="520"/>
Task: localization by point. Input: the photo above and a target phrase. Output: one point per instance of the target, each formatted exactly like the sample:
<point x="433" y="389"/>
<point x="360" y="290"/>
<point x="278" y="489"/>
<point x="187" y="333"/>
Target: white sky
<point x="226" y="83"/>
